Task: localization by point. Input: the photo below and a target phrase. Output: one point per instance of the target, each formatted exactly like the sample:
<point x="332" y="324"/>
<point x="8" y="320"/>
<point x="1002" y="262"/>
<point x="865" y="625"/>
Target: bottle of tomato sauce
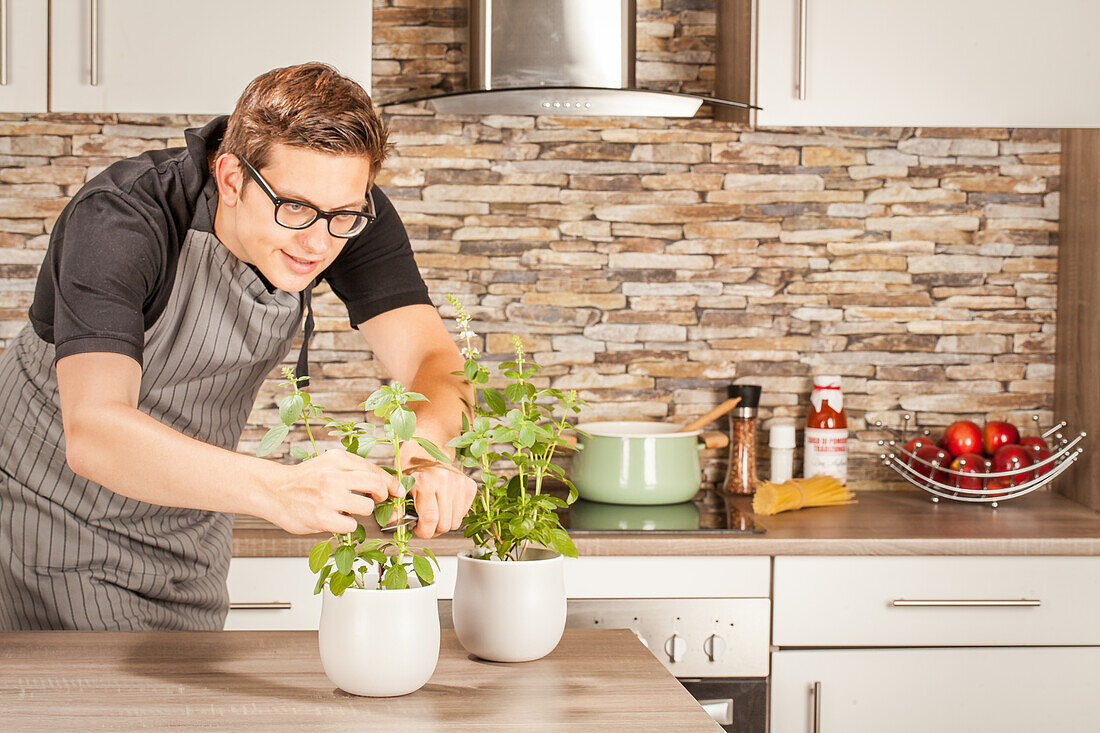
<point x="826" y="431"/>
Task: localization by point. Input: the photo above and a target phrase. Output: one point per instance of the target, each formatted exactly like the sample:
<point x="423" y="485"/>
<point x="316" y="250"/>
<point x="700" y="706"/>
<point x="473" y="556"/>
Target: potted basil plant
<point x="509" y="598"/>
<point x="379" y="629"/>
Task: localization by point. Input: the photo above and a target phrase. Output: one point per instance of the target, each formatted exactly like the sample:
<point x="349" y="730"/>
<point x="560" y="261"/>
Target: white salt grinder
<point x="781" y="442"/>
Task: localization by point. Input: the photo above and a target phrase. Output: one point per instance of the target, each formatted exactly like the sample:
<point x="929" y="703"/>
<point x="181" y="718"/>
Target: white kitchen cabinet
<point x="935" y="601"/>
<point x="196" y="57"/>
<point x="963" y="690"/>
<point x="23" y="56"/>
<point x="979" y="63"/>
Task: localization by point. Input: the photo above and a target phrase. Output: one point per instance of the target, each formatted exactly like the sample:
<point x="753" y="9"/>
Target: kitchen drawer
<point x="272" y="593"/>
<point x="963" y="690"/>
<point x="935" y="601"/>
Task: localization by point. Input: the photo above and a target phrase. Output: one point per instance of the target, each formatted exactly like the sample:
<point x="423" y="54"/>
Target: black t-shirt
<point x="111" y="262"/>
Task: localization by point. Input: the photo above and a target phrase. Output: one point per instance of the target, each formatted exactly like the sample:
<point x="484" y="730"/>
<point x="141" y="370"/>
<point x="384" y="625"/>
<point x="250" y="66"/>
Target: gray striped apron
<point x="84" y="557"/>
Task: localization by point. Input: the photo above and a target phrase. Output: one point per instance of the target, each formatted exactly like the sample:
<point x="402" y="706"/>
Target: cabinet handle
<point x="802" y="22"/>
<point x="259" y="605"/>
<point x="1007" y="602"/>
<point x="4" y="42"/>
<point x="817" y="707"/>
<point x="94" y="6"/>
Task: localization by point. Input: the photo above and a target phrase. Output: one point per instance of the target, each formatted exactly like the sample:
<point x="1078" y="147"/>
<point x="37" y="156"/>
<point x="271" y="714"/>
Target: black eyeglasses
<point x="294" y="214"/>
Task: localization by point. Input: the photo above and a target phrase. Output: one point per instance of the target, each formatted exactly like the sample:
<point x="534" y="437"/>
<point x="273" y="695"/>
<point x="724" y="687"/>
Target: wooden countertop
<point x="882" y="523"/>
<point x="596" y="680"/>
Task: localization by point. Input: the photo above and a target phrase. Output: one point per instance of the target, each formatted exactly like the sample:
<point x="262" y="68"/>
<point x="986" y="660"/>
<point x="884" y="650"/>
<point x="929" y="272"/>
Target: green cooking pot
<point x="639" y="462"/>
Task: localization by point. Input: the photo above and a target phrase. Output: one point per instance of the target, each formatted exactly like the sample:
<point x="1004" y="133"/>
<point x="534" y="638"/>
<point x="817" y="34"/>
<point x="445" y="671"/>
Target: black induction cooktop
<point x="591" y="516"/>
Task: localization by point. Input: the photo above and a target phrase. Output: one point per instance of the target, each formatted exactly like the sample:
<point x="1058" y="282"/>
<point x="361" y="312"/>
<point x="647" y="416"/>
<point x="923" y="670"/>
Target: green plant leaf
<point x="433" y="450"/>
<point x="515" y="487"/>
<point x="515" y="392"/>
<point x="470" y="370"/>
<point x="478" y="448"/>
<point x="527" y="435"/>
<point x="396" y="577"/>
<point x="377" y="398"/>
<point x="373" y="556"/>
<point x="382" y="513"/>
<point x="319" y="555"/>
<point x="359" y="534"/>
<point x="423" y="570"/>
<point x="321" y="579"/>
<point x="407" y="483"/>
<point x="272" y="440"/>
<point x="339" y="582"/>
<point x="290" y="409"/>
<point x="494" y="400"/>
<point x="403" y="422"/>
<point x="562" y="542"/>
<point x="520" y="528"/>
<point x="344" y="556"/>
<point x="415" y="397"/>
<point x="366" y="445"/>
<point x="431" y="554"/>
<point x="299" y="453"/>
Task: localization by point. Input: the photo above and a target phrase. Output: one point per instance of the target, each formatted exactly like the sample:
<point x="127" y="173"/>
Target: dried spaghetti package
<point x="797" y="493"/>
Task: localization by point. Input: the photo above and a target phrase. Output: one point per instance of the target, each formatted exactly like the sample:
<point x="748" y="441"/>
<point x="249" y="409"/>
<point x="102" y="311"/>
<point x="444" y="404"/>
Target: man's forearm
<point x="133" y="454"/>
<point x="440" y="418"/>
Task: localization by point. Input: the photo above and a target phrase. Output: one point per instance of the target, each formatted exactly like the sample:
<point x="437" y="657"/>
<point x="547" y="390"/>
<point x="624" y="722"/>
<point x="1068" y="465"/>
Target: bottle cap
<point x="781" y="435"/>
<point x="831" y="381"/>
<point x="749" y="394"/>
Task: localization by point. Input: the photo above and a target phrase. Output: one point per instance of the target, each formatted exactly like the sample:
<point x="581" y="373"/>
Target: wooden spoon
<point x="714" y="414"/>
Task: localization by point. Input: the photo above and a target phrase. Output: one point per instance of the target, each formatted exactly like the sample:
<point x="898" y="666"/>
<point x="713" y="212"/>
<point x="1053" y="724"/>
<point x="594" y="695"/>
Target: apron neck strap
<point x="303" y="354"/>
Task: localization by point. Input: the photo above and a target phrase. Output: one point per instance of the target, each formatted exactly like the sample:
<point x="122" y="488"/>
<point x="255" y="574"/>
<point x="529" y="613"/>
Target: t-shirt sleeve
<point x="376" y="271"/>
<point x="104" y="268"/>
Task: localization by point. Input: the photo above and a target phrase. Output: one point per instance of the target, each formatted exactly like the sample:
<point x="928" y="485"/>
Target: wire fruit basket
<point x="986" y="487"/>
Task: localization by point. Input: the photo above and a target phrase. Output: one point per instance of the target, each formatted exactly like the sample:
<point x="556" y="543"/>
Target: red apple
<point x="968" y="463"/>
<point x="997" y="433"/>
<point x="917" y="443"/>
<point x="962" y="436"/>
<point x="1038" y="455"/>
<point x="1012" y="457"/>
<point x="997" y="487"/>
<point x="1034" y="440"/>
<point x="933" y="459"/>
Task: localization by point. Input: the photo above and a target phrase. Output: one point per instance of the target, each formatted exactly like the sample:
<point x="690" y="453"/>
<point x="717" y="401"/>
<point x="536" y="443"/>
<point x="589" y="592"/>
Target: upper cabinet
<point x="23" y="54"/>
<point x="880" y="63"/>
<point x="174" y="57"/>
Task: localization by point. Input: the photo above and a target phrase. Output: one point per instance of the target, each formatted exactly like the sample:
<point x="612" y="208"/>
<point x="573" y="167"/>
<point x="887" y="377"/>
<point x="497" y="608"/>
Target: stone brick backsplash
<point x="648" y="262"/>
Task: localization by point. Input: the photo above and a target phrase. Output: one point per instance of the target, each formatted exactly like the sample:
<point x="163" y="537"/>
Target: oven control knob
<point x="714" y="647"/>
<point x="675" y="648"/>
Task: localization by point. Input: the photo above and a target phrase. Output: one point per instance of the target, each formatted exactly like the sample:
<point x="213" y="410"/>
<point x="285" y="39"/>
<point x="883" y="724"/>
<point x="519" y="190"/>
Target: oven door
<point x="738" y="704"/>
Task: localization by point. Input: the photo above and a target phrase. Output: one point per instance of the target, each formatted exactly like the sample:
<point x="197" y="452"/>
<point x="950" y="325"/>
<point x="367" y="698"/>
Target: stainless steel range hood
<point x="560" y="57"/>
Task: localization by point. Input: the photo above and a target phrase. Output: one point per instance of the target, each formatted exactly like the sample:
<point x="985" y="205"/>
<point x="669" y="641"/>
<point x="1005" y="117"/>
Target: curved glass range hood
<point x="560" y="57"/>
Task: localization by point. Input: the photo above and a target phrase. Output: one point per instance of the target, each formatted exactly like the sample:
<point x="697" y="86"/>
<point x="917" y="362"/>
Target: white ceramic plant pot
<point x="380" y="643"/>
<point x="510" y="611"/>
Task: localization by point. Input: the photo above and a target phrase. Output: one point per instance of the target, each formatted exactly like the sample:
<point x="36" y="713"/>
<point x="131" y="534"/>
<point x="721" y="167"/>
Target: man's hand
<point x="442" y="496"/>
<point x="326" y="493"/>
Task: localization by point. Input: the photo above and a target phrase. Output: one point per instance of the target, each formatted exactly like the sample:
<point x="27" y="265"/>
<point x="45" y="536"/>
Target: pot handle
<point x="713" y="439"/>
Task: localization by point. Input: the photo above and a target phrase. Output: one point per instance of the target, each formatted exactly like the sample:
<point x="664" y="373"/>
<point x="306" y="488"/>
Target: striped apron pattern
<point x="84" y="557"/>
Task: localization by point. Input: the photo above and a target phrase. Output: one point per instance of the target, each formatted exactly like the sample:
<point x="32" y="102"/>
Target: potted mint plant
<point x="509" y="599"/>
<point x="379" y="630"/>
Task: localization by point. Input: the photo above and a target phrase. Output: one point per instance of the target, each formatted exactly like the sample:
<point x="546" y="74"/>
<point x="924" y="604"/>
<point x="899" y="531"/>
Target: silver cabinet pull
<point x="817" y="707"/>
<point x="95" y="42"/>
<point x="802" y="23"/>
<point x="992" y="602"/>
<point x="4" y="42"/>
<point x="259" y="605"/>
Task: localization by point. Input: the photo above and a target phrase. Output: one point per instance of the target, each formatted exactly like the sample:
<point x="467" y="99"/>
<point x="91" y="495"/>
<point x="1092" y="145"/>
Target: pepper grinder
<point x="741" y="475"/>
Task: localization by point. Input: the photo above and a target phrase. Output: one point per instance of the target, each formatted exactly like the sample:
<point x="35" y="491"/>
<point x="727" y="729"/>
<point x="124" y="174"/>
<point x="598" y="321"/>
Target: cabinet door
<point x="24" y="55"/>
<point x="985" y="63"/>
<point x="195" y="57"/>
<point x="967" y="690"/>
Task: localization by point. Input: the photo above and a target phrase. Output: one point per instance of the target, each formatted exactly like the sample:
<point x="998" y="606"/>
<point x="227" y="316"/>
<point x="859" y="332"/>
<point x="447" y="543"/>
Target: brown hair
<point x="308" y="106"/>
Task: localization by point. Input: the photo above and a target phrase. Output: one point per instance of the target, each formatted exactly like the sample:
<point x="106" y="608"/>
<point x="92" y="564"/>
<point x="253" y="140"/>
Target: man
<point x="173" y="284"/>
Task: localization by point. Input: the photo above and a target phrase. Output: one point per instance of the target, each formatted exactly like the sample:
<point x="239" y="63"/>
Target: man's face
<point x="292" y="258"/>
